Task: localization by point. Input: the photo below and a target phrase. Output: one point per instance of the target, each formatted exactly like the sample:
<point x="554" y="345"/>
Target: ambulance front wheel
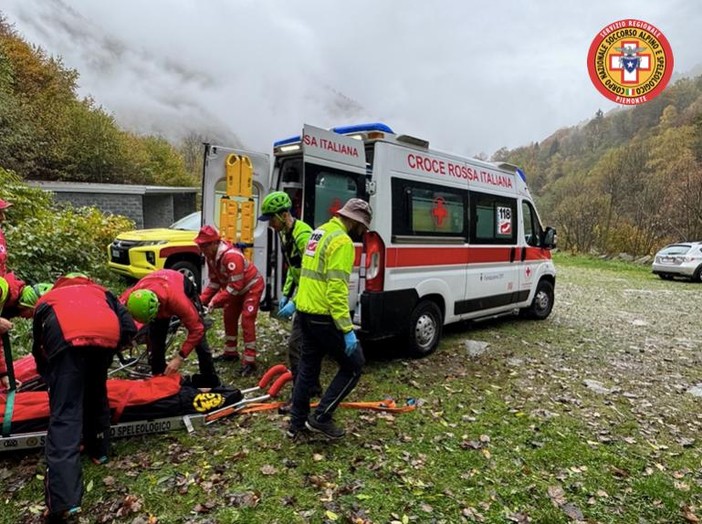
<point x="425" y="328"/>
<point x="542" y="304"/>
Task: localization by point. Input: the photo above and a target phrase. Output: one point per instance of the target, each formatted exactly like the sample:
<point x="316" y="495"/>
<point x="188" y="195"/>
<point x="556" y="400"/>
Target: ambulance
<point x="452" y="238"/>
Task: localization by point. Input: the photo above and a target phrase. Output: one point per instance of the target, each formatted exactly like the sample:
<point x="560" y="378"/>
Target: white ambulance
<point x="452" y="238"/>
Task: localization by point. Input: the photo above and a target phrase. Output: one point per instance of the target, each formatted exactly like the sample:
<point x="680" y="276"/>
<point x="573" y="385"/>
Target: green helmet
<point x="76" y="274"/>
<point x="30" y="294"/>
<point x="143" y="305"/>
<point x="274" y="203"/>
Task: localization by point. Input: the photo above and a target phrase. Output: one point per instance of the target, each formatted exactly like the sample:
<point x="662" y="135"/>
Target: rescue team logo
<point x="504" y="221"/>
<point x="204" y="402"/>
<point x="630" y="62"/>
<point x="315" y="237"/>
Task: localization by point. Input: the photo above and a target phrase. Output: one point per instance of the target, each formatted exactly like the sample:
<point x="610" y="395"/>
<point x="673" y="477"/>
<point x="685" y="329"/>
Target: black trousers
<point x="320" y="337"/>
<point x="77" y="380"/>
<point x="158" y="334"/>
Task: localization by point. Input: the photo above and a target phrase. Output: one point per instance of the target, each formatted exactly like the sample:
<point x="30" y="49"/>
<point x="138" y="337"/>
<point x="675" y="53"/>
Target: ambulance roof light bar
<point x="363" y="128"/>
<point x="413" y="141"/>
<point x="515" y="169"/>
<point x="342" y="130"/>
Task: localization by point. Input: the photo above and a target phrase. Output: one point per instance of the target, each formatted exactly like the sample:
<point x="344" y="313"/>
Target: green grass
<point x="512" y="435"/>
<point x="565" y="259"/>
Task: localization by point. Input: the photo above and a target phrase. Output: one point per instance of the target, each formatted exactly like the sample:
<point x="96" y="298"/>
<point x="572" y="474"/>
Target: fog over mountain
<point x="470" y="77"/>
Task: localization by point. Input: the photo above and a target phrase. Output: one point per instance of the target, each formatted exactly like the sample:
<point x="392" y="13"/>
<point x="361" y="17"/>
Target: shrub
<point x="45" y="240"/>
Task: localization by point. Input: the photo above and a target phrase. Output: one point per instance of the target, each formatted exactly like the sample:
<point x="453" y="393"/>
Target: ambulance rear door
<point x="334" y="170"/>
<point x="214" y="189"/>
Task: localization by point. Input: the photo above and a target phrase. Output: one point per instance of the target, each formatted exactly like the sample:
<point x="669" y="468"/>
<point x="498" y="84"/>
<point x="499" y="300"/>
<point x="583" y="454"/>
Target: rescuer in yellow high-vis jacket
<point x="322" y="303"/>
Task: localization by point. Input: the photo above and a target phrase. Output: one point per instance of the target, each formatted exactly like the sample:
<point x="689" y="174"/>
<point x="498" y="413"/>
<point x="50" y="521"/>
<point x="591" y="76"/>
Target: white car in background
<point x="683" y="259"/>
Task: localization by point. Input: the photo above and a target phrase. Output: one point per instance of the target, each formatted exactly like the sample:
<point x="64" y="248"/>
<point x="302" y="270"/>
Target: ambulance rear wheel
<point x="542" y="304"/>
<point x="425" y="328"/>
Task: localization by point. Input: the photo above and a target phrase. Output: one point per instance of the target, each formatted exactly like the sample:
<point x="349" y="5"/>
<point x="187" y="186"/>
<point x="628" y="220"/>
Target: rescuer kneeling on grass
<point x="78" y="327"/>
<point x="323" y="305"/>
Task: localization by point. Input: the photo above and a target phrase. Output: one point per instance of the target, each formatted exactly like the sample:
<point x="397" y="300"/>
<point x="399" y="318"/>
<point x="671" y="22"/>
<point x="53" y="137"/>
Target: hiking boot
<point x="247" y="370"/>
<point x="70" y="515"/>
<point x="294" y="432"/>
<point x="329" y="429"/>
<point x="227" y="357"/>
<point x="99" y="461"/>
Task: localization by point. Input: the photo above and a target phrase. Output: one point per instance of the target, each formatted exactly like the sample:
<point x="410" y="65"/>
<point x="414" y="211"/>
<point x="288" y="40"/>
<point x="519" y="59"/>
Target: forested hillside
<point x="48" y="133"/>
<point x="627" y="181"/>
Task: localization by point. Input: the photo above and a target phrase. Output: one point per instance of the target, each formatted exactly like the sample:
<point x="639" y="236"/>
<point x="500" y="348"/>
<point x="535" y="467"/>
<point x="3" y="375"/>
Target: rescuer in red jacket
<point x="4" y="204"/>
<point x="236" y="286"/>
<point x="17" y="299"/>
<point x="78" y="327"/>
<point x="154" y="300"/>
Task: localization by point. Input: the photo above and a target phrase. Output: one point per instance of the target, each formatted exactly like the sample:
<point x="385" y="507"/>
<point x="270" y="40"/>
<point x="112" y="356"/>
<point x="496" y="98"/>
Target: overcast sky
<point x="469" y="76"/>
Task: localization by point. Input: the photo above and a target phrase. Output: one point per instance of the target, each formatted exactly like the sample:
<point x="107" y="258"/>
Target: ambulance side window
<point x="422" y="210"/>
<point x="326" y="190"/>
<point x="532" y="228"/>
<point x="493" y="219"/>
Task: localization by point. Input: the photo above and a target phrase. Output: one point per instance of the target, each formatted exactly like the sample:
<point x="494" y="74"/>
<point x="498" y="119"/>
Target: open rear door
<point x="243" y="195"/>
<point x="334" y="171"/>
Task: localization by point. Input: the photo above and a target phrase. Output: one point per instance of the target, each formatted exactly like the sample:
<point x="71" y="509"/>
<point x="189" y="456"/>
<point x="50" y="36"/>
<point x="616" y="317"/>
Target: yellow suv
<point x="137" y="253"/>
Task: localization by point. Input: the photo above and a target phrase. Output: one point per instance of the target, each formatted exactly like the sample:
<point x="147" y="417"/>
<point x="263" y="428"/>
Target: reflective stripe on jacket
<point x="230" y="273"/>
<point x="324" y="280"/>
<point x="293" y="245"/>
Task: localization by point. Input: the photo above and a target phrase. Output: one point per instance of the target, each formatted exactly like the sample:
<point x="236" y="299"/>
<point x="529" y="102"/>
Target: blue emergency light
<point x="363" y="128"/>
<point x="342" y="130"/>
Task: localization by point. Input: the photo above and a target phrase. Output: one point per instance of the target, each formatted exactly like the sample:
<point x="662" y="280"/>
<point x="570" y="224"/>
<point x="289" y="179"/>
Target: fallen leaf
<point x="557" y="495"/>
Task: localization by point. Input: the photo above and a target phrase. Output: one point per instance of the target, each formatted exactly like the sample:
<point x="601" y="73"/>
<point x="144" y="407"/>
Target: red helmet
<point x="207" y="235"/>
<point x="4" y="204"/>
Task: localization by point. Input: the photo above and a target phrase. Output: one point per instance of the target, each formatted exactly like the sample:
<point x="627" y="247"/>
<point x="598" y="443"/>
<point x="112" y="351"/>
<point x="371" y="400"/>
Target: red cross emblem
<point x="334" y="206"/>
<point x="439" y="212"/>
<point x="528" y="271"/>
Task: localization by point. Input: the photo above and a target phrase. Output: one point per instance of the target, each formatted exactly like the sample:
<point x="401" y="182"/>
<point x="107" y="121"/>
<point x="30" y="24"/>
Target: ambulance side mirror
<point x="550" y="238"/>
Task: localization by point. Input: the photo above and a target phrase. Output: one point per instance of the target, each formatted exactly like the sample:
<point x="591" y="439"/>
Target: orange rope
<point x="387" y="406"/>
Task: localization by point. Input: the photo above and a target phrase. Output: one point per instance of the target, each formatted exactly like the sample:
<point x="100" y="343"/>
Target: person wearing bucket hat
<point x="4" y="205"/>
<point x="236" y="286"/>
<point x="323" y="306"/>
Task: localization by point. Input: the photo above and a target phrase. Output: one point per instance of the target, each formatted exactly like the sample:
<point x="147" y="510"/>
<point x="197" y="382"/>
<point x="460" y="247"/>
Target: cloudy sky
<point x="469" y="76"/>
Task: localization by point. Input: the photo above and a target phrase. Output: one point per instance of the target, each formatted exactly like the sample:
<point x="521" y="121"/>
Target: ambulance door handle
<point x="512" y="252"/>
<point x="524" y="253"/>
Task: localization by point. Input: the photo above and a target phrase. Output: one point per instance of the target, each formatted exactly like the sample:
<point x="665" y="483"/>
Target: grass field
<point x="583" y="417"/>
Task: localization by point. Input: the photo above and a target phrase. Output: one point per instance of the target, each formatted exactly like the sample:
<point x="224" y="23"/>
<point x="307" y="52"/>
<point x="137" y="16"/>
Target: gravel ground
<point x="622" y="350"/>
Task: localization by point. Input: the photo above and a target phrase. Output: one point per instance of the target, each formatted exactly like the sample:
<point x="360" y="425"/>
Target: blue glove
<point x="351" y="343"/>
<point x="283" y="301"/>
<point x="287" y="311"/>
